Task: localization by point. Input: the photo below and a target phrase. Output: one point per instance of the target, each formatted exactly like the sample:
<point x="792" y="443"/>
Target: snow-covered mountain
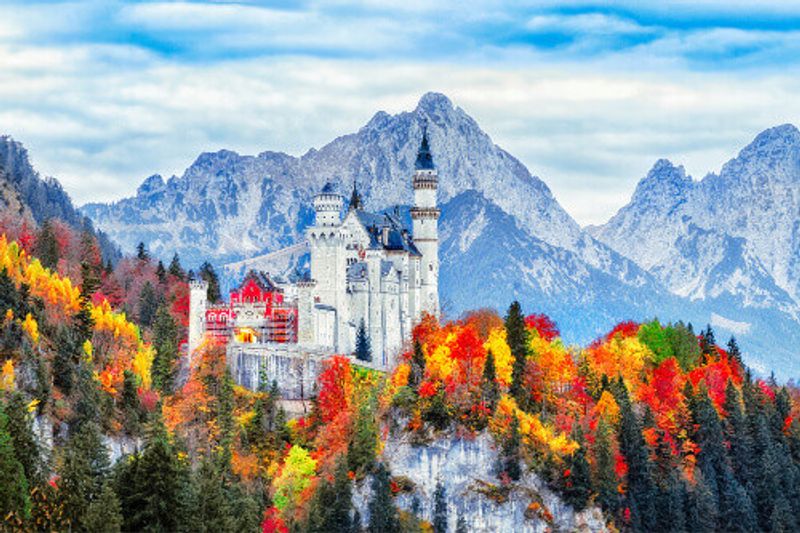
<point x="504" y="236"/>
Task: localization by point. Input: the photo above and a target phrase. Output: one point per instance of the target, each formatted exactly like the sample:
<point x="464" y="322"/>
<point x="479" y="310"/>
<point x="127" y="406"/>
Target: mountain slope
<point x="26" y="193"/>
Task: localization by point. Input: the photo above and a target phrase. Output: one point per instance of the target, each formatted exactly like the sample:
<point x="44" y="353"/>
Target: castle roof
<point x="261" y="279"/>
<point x="386" y="232"/>
<point x="424" y="158"/>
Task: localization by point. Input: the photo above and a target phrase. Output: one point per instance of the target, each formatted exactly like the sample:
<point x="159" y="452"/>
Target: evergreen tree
<point x="707" y="341"/>
<point x="161" y="272"/>
<point x="382" y="512"/>
<point x="489" y="387"/>
<point x="734" y="351"/>
<point x="361" y="448"/>
<point x="640" y="495"/>
<point x="440" y="509"/>
<point x="104" y="515"/>
<point x="88" y="401"/>
<point x="702" y="509"/>
<point x="141" y="252"/>
<point x="83" y="471"/>
<point x="13" y="484"/>
<point x="605" y="475"/>
<point x="209" y="275"/>
<point x="461" y="524"/>
<point x="363" y="348"/>
<point x="26" y="446"/>
<point x="175" y="268"/>
<point x="510" y="453"/>
<point x="47" y="250"/>
<point x="330" y="507"/>
<point x="131" y="406"/>
<point x="213" y="508"/>
<point x="517" y="339"/>
<point x="417" y="373"/>
<point x="578" y="484"/>
<point x="737" y="434"/>
<point x="148" y="305"/>
<point x="166" y="338"/>
<point x="736" y="509"/>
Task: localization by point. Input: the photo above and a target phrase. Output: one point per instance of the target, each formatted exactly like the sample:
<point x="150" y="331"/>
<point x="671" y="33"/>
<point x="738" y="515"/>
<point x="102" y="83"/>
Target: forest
<point x="104" y="426"/>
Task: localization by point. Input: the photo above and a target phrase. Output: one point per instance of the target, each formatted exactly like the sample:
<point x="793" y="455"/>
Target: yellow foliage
<point x="245" y="418"/>
<point x="7" y="376"/>
<point x="531" y="429"/>
<point x="623" y="356"/>
<point x="88" y="349"/>
<point x="143" y="362"/>
<point x="400" y="376"/>
<point x="9" y="315"/>
<point x="607" y="408"/>
<point x="439" y="363"/>
<point x="31" y="327"/>
<point x="503" y="360"/>
<point x="32" y="405"/>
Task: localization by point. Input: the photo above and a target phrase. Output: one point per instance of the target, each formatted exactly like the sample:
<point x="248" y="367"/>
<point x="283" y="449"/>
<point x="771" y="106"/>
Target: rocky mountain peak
<point x="432" y="103"/>
<point x="150" y="185"/>
<point x="664" y="183"/>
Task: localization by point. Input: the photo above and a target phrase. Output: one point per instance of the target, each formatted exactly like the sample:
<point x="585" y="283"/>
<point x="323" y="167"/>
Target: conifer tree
<point x="104" y="514"/>
<point x="440" y="508"/>
<point x="47" y="249"/>
<point x="209" y="275"/>
<point x="417" y="373"/>
<point x="213" y="508"/>
<point x="361" y="448"/>
<point x="330" y="508"/>
<point x="707" y="340"/>
<point x="175" y="268"/>
<point x="578" y="482"/>
<point x="83" y="471"/>
<point x="702" y="509"/>
<point x="517" y="339"/>
<point x="510" y="452"/>
<point x="13" y="484"/>
<point x="489" y="386"/>
<point x="141" y="252"/>
<point x="734" y="351"/>
<point x="166" y="337"/>
<point x="640" y="495"/>
<point x="363" y="348"/>
<point x="148" y="304"/>
<point x="605" y="476"/>
<point x="382" y="512"/>
<point x="26" y="446"/>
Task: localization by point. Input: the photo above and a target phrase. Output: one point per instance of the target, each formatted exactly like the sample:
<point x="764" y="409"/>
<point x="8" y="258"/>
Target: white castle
<point x="366" y="270"/>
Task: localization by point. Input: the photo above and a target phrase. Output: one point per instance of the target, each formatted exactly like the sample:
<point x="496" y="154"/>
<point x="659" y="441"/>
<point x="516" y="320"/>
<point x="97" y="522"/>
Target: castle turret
<point x="328" y="206"/>
<point x="425" y="220"/>
<point x="198" y="302"/>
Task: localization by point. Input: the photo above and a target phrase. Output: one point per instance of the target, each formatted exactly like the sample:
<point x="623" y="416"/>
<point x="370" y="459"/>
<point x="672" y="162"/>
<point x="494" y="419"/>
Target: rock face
<point x="26" y="193"/>
<point x="465" y="468"/>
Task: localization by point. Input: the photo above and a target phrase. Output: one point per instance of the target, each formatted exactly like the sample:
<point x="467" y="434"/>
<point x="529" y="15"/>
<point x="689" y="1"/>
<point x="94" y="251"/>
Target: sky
<point x="587" y="94"/>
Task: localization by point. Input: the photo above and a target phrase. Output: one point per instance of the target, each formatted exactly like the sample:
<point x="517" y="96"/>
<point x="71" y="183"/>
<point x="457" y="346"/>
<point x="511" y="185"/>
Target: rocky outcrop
<point x="473" y="492"/>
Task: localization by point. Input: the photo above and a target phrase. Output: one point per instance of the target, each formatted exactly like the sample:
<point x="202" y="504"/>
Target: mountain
<point x="504" y="236"/>
<point x="733" y="237"/>
<point x="26" y="193"/>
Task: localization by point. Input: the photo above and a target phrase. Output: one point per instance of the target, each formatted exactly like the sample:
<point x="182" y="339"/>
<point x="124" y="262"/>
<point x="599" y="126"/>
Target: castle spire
<point x="355" y="198"/>
<point x="424" y="157"/>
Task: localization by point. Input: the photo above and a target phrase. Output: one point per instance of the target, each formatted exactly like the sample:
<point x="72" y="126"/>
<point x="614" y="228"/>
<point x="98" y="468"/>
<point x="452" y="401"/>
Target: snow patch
<point x="740" y="328"/>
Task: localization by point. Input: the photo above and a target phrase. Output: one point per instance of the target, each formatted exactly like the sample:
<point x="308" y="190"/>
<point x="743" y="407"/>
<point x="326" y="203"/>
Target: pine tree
<point x="13" y="484"/>
<point x="361" y="448"/>
<point x="734" y="351"/>
<point x="209" y="275"/>
<point x="213" y="508"/>
<point x="83" y="471"/>
<point x="161" y="272"/>
<point x="605" y="475"/>
<point x="417" y="373"/>
<point x="510" y="453"/>
<point x="104" y="515"/>
<point x="148" y="304"/>
<point x="131" y="406"/>
<point x="330" y="507"/>
<point x="517" y="339"/>
<point x="702" y="509"/>
<point x="166" y="337"/>
<point x="736" y="509"/>
<point x="141" y="252"/>
<point x="26" y="446"/>
<point x="489" y="387"/>
<point x="578" y="484"/>
<point x="382" y="512"/>
<point x="363" y="348"/>
<point x="640" y="496"/>
<point x="47" y="249"/>
<point x="175" y="268"/>
<point x="440" y="509"/>
<point x="707" y="341"/>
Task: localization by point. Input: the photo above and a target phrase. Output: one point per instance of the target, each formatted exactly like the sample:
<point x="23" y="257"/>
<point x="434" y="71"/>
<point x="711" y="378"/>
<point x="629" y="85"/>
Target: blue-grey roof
<point x="397" y="238"/>
<point x="424" y="158"/>
<point x="330" y="187"/>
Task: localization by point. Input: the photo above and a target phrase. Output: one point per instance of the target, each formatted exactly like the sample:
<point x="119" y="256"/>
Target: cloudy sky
<point x="587" y="95"/>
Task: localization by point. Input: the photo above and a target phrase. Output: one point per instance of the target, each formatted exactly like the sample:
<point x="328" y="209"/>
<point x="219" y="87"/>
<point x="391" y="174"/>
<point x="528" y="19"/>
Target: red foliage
<point x="335" y="388"/>
<point x="148" y="399"/>
<point x="427" y="389"/>
<point x="546" y="328"/>
<point x="767" y="390"/>
<point x="624" y="329"/>
<point x="273" y="523"/>
<point x="716" y="374"/>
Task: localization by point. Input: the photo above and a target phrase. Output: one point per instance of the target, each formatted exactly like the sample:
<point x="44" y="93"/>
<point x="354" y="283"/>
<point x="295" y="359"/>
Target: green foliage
<point x="489" y="387"/>
<point x="363" y="348"/>
<point x="26" y="446"/>
<point x="209" y="275"/>
<point x="361" y="448"/>
<point x="605" y="478"/>
<point x="166" y="338"/>
<point x="148" y="305"/>
<point x="684" y="345"/>
<point x="382" y="512"/>
<point x="330" y="507"/>
<point x="47" y="249"/>
<point x="83" y="470"/>
<point x="175" y="268"/>
<point x="417" y="373"/>
<point x="104" y="514"/>
<point x="657" y="339"/>
<point x="510" y="453"/>
<point x="13" y="484"/>
<point x="517" y="339"/>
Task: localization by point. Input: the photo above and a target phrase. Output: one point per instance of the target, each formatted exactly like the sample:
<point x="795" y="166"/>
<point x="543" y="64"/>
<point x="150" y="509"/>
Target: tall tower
<point x="425" y="225"/>
<point x="198" y="296"/>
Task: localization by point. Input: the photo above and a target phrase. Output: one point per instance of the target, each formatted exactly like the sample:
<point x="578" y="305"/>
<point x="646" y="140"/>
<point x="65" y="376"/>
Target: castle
<point x="367" y="270"/>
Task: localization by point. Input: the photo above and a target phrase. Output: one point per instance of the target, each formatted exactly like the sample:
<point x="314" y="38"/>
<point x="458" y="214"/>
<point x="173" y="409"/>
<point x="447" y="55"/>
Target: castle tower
<point x="198" y="300"/>
<point x="328" y="206"/>
<point x="425" y="224"/>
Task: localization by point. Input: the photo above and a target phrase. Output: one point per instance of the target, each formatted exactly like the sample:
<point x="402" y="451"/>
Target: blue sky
<point x="587" y="94"/>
